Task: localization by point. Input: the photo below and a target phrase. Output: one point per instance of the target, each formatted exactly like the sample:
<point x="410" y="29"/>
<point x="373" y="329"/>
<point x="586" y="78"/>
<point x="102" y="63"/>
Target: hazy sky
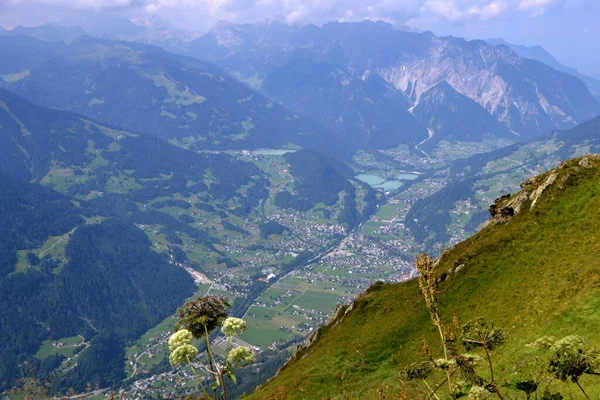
<point x="569" y="29"/>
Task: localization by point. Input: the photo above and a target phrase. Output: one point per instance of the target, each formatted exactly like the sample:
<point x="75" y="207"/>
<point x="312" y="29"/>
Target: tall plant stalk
<point x="430" y="289"/>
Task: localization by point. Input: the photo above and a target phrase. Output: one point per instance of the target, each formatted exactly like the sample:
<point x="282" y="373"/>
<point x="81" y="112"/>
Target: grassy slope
<point x="535" y="275"/>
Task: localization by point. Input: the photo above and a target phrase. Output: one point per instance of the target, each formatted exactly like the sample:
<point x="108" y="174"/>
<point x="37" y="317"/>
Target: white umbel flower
<point x="234" y="327"/>
<point x="180" y="338"/>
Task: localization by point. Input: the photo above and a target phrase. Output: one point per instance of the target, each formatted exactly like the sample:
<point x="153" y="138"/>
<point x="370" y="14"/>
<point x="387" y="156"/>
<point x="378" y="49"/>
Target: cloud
<point x="96" y="5"/>
<point x="463" y="11"/>
<point x="199" y="13"/>
<point x="540" y="7"/>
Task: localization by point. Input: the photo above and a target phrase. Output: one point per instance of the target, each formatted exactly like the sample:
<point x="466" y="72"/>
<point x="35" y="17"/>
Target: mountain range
<point x="146" y="89"/>
<point x="538" y="53"/>
<point x="140" y="165"/>
<point x="527" y="96"/>
<point x="352" y="78"/>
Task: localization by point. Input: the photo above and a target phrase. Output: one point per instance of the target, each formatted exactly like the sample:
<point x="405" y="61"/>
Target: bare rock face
<point x="525" y="95"/>
<point x="537" y="193"/>
<point x="507" y="206"/>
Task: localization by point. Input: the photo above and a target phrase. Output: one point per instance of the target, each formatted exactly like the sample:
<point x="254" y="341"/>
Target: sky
<point x="569" y="29"/>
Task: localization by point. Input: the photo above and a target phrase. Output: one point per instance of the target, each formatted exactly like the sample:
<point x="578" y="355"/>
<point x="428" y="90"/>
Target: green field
<point x="64" y="346"/>
<point x="324" y="302"/>
<point x="262" y="332"/>
<point x="388" y="211"/>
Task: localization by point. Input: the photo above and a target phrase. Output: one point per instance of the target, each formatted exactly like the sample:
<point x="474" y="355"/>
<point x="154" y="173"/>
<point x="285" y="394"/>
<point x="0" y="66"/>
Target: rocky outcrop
<point x="335" y="318"/>
<point x="537" y="193"/>
<point x="507" y="206"/>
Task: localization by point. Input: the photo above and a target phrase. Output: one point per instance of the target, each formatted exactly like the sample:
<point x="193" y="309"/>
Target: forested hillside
<point x="488" y="175"/>
<point x="104" y="245"/>
<point x="145" y="89"/>
<point x="108" y="288"/>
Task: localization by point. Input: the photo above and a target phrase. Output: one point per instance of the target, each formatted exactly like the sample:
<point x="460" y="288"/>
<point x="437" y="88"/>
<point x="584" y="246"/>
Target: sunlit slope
<point x="534" y="274"/>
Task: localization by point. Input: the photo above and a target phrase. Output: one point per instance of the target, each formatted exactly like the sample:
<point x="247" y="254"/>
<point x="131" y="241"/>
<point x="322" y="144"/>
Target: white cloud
<point x="96" y="5"/>
<point x="539" y="7"/>
<point x="202" y="12"/>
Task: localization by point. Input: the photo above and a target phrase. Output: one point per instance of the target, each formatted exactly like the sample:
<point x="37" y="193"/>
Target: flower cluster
<point x="239" y="354"/>
<point x="183" y="353"/>
<point x="479" y="393"/>
<point x="234" y="327"/>
<point x="445" y="364"/>
<point x="181" y="349"/>
<point x="180" y="338"/>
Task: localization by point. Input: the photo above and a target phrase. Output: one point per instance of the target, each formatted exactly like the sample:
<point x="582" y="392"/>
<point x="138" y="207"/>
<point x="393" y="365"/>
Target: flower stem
<point x="220" y="377"/>
<point x="582" y="391"/>
<point x="197" y="377"/>
<point x="430" y="389"/>
<point x="487" y="353"/>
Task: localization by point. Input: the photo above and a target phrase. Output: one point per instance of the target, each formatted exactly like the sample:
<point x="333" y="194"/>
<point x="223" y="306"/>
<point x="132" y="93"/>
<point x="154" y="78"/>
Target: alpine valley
<point x="296" y="171"/>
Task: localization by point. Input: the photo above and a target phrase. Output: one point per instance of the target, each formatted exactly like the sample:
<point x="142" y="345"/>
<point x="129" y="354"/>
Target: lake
<point x="379" y="182"/>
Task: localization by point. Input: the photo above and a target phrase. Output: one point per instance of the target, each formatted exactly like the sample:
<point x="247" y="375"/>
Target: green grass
<point x="372" y="227"/>
<point x="263" y="332"/>
<point x="324" y="302"/>
<point x="388" y="211"/>
<point x="536" y="275"/>
<point x="65" y="347"/>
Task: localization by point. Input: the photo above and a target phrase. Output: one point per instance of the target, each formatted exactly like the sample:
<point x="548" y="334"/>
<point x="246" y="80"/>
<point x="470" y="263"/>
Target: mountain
<point x="120" y="212"/>
<point x="530" y="271"/>
<point x="527" y="96"/>
<point x="540" y="54"/>
<point x="454" y="117"/>
<point x="227" y="39"/>
<point x="143" y="29"/>
<point x="367" y="111"/>
<point x="21" y="53"/>
<point x="145" y="89"/>
<point x="106" y="25"/>
<point x="84" y="158"/>
<point x="109" y="288"/>
<point x="101" y="283"/>
<point x="481" y="178"/>
<point x="50" y="32"/>
<point x="160" y="32"/>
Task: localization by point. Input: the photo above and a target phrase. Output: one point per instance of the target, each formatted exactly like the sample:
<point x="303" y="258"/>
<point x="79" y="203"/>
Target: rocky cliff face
<point x="528" y="96"/>
<point x="507" y="206"/>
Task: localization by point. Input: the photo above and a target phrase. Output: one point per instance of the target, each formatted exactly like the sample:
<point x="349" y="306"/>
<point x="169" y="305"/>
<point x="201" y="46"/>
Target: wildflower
<point x="543" y="343"/>
<point x="203" y="315"/>
<point x="239" y="354"/>
<point x="234" y="327"/>
<point x="180" y="338"/>
<point x="183" y="353"/>
<point x="479" y="393"/>
<point x="570" y="359"/>
<point x="444" y="364"/>
<point x="479" y="332"/>
<point x="418" y="370"/>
